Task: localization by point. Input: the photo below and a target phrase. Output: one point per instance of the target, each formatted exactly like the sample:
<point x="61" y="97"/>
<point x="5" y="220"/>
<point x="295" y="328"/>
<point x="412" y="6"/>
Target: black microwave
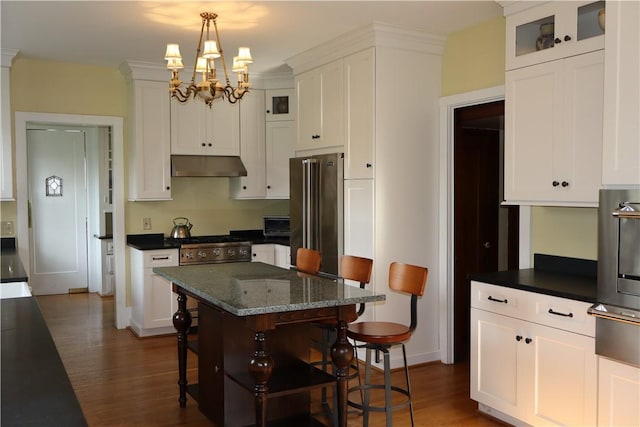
<point x="276" y="226"/>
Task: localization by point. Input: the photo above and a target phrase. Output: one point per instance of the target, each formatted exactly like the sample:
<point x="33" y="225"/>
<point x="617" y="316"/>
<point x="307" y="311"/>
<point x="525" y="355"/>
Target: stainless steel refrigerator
<point x="316" y="207"/>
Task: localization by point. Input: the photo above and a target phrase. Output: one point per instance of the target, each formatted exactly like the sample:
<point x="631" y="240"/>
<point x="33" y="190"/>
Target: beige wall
<point x="474" y="59"/>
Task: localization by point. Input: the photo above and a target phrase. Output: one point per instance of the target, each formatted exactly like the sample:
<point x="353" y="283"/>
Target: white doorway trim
<point x="22" y="119"/>
<point x="448" y="105"/>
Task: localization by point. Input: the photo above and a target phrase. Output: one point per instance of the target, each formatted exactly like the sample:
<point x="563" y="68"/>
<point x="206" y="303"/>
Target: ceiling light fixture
<point x="209" y="88"/>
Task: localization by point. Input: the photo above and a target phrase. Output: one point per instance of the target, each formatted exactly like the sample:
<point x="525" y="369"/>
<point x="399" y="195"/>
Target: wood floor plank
<point x="122" y="380"/>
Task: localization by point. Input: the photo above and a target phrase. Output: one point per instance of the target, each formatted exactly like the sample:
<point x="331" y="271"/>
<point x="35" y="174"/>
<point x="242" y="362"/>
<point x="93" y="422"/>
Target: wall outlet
<point x="6" y="228"/>
<point x="146" y="223"/>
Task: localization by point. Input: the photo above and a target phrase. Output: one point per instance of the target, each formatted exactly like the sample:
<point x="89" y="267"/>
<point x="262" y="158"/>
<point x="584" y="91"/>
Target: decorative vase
<point x="545" y="39"/>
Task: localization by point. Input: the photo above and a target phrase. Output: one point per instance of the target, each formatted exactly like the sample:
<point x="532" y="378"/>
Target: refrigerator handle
<point x="308" y="203"/>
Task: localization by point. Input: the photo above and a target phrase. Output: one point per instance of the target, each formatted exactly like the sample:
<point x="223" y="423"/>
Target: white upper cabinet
<point x="6" y="161"/>
<point x="199" y="130"/>
<point x="150" y="154"/>
<point x="552" y="30"/>
<point x="320" y="107"/>
<point x="280" y="105"/>
<point x="621" y="152"/>
<point x="553" y="132"/>
<point x="359" y="76"/>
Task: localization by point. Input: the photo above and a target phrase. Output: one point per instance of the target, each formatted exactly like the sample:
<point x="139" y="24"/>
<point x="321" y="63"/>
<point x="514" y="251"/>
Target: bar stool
<point x="381" y="336"/>
<point x="308" y="260"/>
<point x="357" y="269"/>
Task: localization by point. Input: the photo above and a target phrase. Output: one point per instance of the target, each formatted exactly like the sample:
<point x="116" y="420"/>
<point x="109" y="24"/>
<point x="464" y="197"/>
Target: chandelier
<point x="209" y="88"/>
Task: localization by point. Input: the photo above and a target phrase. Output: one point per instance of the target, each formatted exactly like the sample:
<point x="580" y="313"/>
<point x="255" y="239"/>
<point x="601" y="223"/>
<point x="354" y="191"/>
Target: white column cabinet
<point x="530" y="364"/>
<point x="359" y="196"/>
<point x="280" y="140"/>
<point x="621" y="151"/>
<point x="553" y="131"/>
<point x="320" y="106"/>
<point x="618" y="394"/>
<point x="199" y="130"/>
<point x="153" y="302"/>
<point x="150" y="147"/>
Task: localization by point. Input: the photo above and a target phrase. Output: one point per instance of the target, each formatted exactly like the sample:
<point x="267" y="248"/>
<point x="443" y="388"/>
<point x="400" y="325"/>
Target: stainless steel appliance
<point x="618" y="310"/>
<point x="212" y="249"/>
<point x="277" y="226"/>
<point x="316" y="207"/>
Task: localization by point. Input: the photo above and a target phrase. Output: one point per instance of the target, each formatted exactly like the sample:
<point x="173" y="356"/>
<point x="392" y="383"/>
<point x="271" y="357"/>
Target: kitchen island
<point x="254" y="321"/>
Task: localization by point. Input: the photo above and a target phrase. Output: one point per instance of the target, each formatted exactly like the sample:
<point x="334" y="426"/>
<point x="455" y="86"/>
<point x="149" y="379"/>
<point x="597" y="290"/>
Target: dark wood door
<point x="479" y="243"/>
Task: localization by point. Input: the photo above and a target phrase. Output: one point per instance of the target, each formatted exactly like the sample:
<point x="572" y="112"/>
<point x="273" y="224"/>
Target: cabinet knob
<point x="567" y="38"/>
<point x="518" y="337"/>
<point x="565" y="184"/>
<point x="204" y="145"/>
<point x="244" y="187"/>
<point x="557" y="40"/>
<point x="268" y="111"/>
<point x="528" y="340"/>
<point x="168" y="188"/>
<point x="555" y="183"/>
<point x="369" y="165"/>
<point x="210" y="144"/>
<point x="268" y="187"/>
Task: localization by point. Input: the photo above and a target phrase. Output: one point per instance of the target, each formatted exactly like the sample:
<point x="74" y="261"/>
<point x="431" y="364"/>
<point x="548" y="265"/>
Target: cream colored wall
<point x="474" y="59"/>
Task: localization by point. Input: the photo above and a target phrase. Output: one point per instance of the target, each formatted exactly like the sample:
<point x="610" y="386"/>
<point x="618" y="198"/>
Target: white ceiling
<point x="110" y="32"/>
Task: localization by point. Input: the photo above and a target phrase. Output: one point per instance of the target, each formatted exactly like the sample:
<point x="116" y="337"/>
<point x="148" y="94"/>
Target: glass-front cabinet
<point x="554" y="30"/>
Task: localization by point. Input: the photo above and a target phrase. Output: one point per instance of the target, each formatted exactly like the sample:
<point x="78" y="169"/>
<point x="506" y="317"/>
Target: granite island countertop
<point x="563" y="277"/>
<point x="252" y="288"/>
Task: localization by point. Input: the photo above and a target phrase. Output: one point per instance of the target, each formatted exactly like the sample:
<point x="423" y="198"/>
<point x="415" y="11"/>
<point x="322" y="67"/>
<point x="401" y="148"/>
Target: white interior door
<point x="58" y="210"/>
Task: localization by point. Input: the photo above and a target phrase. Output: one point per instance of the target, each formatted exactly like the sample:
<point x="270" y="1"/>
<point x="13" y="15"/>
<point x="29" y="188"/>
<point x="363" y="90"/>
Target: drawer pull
<point x="557" y="313"/>
<point x="160" y="258"/>
<point x="497" y="300"/>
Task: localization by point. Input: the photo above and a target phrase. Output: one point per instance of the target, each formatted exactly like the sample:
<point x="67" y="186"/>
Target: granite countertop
<point x="11" y="268"/>
<point x="563" y="277"/>
<point x="35" y="388"/>
<point x="251" y="288"/>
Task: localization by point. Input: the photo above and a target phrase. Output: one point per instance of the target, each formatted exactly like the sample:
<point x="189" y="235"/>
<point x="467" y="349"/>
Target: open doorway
<point x="485" y="232"/>
<point x="115" y="126"/>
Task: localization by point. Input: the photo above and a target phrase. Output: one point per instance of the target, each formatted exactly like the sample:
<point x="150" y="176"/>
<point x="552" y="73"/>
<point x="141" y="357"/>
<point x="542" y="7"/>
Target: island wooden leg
<point x="182" y="323"/>
<point x="342" y="355"/>
<point x="261" y="368"/>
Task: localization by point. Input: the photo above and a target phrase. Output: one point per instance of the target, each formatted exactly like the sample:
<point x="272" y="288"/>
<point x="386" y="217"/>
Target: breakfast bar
<point x="254" y="322"/>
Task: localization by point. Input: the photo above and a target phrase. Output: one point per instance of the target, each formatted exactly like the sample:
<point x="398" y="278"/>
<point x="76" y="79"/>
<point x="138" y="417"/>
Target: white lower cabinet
<point x="152" y="299"/>
<point x="530" y="365"/>
<point x="270" y="253"/>
<point x="618" y="393"/>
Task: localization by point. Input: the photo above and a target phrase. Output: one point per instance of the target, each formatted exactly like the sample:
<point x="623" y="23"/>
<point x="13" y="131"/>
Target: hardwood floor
<point x="121" y="380"/>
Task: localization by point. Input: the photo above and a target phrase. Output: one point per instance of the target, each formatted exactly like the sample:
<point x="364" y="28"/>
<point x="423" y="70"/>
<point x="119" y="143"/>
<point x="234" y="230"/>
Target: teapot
<point x="182" y="230"/>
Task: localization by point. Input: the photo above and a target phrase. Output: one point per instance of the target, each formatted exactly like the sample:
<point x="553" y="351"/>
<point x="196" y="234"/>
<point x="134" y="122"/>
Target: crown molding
<point x="377" y="34"/>
<point x="7" y="56"/>
<point x="509" y="7"/>
<point x="139" y="70"/>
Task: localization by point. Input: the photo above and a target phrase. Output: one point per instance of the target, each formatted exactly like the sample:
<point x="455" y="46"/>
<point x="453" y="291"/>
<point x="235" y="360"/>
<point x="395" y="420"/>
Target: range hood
<point x="207" y="166"/>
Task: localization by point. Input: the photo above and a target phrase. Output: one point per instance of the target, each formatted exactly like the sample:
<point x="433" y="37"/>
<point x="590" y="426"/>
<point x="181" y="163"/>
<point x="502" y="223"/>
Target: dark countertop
<point x="147" y="242"/>
<point x="11" y="268"/>
<point x="557" y="276"/>
<point x="35" y="389"/>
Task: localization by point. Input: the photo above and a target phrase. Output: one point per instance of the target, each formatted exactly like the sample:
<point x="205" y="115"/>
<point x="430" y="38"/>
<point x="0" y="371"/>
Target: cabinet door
<point x="283" y="256"/>
<point x="252" y="148"/>
<point x="150" y="172"/>
<point x="618" y="393"/>
<point x="280" y="141"/>
<point x="496" y="361"/>
<point x="188" y="129"/>
<point x="223" y="129"/>
<point x="621" y="151"/>
<point x="533" y="106"/>
<point x="358" y="217"/>
<point x="6" y="161"/>
<point x="552" y="31"/>
<point x="160" y="301"/>
<point x="321" y="107"/>
<point x="360" y="105"/>
<point x="563" y="386"/>
<point x="580" y="164"/>
<point x="263" y="253"/>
